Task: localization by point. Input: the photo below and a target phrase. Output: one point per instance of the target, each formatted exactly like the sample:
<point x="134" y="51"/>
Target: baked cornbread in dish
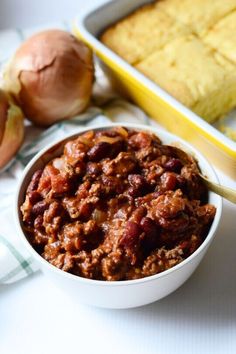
<point x="141" y="33"/>
<point x="195" y="74"/>
<point x="222" y="36"/>
<point x="185" y="47"/>
<point x="198" y="15"/>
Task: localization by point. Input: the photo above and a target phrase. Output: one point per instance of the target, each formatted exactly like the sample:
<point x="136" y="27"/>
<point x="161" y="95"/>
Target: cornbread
<point x="141" y="33"/>
<point x="188" y="48"/>
<point x="198" y="15"/>
<point x="222" y="36"/>
<point x="202" y="80"/>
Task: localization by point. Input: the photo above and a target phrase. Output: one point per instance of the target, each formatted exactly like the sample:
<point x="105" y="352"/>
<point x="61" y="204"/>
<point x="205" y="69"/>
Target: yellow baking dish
<point x="155" y="101"/>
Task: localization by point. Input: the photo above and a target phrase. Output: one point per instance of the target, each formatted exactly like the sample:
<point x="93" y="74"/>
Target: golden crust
<point x="187" y="47"/>
<point x="141" y="33"/>
<point x="222" y="37"/>
<point x="194" y="74"/>
<point x="198" y="15"/>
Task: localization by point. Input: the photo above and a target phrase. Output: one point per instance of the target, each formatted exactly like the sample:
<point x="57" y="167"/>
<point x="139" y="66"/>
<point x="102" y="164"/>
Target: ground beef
<point x="117" y="205"/>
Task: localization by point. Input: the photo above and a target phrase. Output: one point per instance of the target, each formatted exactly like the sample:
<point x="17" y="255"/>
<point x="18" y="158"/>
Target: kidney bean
<point x="149" y="226"/>
<point x="34" y="181"/>
<point x="131" y="235"/>
<point x="138" y="185"/>
<point x="117" y="147"/>
<point x="34" y="197"/>
<point x="99" y="151"/>
<point x="93" y="169"/>
<point x="39" y="208"/>
<point x="137" y="181"/>
<point x="38" y="222"/>
<point x="168" y="181"/>
<point x="151" y="230"/>
<point x="173" y="165"/>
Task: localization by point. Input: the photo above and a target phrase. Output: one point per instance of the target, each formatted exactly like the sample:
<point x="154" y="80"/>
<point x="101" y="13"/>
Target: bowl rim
<point x="160" y="133"/>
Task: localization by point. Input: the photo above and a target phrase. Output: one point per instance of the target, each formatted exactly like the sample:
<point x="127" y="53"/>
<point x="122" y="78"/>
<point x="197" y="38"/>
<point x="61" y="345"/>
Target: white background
<point x="28" y="13"/>
<point x="200" y="317"/>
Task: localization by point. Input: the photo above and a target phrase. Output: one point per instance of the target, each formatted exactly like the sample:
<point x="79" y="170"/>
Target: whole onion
<point x="51" y="76"/>
<point x="11" y="129"/>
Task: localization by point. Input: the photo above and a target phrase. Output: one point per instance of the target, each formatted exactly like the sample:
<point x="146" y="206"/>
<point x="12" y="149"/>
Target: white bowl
<point x="128" y="293"/>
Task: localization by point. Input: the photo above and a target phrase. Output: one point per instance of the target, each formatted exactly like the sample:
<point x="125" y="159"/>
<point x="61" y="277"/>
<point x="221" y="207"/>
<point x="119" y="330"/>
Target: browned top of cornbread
<point x="188" y="69"/>
<point x="142" y="32"/>
<point x="198" y="15"/>
<point x="187" y="47"/>
<point x="222" y="36"/>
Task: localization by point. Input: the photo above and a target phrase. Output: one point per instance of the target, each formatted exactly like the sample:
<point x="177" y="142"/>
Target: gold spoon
<point x="225" y="192"/>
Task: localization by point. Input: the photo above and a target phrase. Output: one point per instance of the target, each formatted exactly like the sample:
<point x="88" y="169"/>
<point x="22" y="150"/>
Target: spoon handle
<point x="225" y="192"/>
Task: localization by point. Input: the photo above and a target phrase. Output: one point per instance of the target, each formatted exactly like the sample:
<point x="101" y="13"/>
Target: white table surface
<point x="36" y="317"/>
